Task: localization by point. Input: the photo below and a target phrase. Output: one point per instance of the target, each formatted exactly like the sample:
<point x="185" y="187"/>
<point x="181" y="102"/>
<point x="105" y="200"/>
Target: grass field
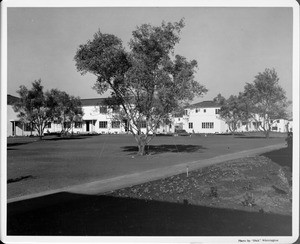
<point x="35" y="166"/>
<point x="180" y="205"/>
<point x="245" y="197"/>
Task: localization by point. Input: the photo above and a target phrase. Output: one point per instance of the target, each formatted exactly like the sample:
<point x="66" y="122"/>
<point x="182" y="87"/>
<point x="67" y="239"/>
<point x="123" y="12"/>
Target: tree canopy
<point x="33" y="107"/>
<point x="266" y="99"/>
<point x="66" y="109"/>
<point x="230" y="111"/>
<point x="40" y="108"/>
<point x="148" y="82"/>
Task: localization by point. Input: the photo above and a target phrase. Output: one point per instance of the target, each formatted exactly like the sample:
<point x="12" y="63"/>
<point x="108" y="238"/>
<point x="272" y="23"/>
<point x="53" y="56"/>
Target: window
<point x="197" y="110"/>
<point x="217" y="111"/>
<point x="274" y="128"/>
<point x="190" y="125"/>
<point x="27" y="127"/>
<point x="115" y="124"/>
<point x="78" y="125"/>
<point x="204" y="110"/>
<point x="278" y="121"/>
<point x="102" y="124"/>
<point x="207" y="125"/>
<point x="103" y="110"/>
<point x="256" y="124"/>
<point x="48" y="125"/>
<point x="178" y="119"/>
<point x="143" y="124"/>
<point x="67" y="124"/>
<point x="186" y="112"/>
<point x="116" y="109"/>
<point x="244" y="123"/>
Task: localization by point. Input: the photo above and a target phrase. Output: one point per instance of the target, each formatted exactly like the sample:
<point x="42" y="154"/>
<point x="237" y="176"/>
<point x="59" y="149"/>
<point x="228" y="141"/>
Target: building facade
<point x="202" y="117"/>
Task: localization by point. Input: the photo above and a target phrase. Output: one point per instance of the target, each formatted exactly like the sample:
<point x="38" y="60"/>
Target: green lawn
<point x="34" y="166"/>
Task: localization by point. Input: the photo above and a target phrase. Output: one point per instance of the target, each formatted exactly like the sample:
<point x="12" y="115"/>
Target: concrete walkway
<point x="101" y="186"/>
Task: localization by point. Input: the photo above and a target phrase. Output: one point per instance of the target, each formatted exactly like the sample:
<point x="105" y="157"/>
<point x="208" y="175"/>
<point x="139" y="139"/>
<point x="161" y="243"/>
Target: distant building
<point x="202" y="117"/>
<point x="14" y="126"/>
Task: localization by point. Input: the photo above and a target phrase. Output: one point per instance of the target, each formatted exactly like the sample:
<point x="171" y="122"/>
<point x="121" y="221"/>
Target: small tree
<point x="33" y="107"/>
<point x="148" y="82"/>
<point x="219" y="99"/>
<point x="266" y="100"/>
<point x="231" y="111"/>
<point x="66" y="109"/>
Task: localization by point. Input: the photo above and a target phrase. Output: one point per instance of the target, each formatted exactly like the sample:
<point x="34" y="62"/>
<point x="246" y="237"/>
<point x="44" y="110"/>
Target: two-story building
<point x="202" y="117"/>
<point x="98" y="118"/>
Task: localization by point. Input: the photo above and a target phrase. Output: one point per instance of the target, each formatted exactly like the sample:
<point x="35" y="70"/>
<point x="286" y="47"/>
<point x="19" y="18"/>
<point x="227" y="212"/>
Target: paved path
<point x="101" y="186"/>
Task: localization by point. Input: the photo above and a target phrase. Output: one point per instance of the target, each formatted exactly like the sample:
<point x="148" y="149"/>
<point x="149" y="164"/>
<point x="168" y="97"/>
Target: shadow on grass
<point x="66" y="138"/>
<point x="283" y="157"/>
<point x="19" y="179"/>
<point x="156" y="149"/>
<point x="89" y="215"/>
<point x="253" y="137"/>
<point x="14" y="144"/>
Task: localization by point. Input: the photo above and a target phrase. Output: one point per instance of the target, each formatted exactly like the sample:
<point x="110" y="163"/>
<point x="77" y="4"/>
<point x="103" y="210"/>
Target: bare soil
<point x="251" y="184"/>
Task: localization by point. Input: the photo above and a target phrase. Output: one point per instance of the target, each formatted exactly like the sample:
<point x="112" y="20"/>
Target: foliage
<point x="232" y="110"/>
<point x="266" y="99"/>
<point x="219" y="99"/>
<point x="213" y="191"/>
<point x="66" y="109"/>
<point x="33" y="107"/>
<point x="40" y="108"/>
<point x="249" y="200"/>
<point x="148" y="82"/>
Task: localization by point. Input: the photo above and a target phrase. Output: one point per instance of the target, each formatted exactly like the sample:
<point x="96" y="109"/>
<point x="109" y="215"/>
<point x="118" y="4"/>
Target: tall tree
<point x="66" y="109"/>
<point x="33" y="107"/>
<point x="148" y="82"/>
<point x="266" y="99"/>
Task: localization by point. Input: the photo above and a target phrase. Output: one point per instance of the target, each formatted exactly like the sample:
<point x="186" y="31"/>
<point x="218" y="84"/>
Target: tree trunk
<point x="141" y="141"/>
<point x="267" y="133"/>
<point x="31" y="128"/>
<point x="141" y="151"/>
<point x="40" y="134"/>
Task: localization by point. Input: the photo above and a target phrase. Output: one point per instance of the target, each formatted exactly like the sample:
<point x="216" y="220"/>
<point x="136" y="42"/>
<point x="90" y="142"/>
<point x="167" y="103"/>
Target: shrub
<point x="249" y="200"/>
<point x="213" y="191"/>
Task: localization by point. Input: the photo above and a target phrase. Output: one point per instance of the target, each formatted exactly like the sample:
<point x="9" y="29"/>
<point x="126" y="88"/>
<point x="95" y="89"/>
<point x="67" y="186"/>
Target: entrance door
<point x="125" y="121"/>
<point x="13" y="128"/>
<point x="87" y="126"/>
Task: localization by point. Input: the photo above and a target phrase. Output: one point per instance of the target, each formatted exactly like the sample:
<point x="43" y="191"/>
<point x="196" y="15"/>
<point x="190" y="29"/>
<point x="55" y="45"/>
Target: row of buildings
<point x="202" y="117"/>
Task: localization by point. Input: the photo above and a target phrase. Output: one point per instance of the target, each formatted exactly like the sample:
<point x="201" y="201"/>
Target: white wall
<point x="198" y="116"/>
<point x="92" y="117"/>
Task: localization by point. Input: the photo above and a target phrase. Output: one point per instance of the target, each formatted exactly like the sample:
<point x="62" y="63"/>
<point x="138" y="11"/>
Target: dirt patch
<point x="254" y="184"/>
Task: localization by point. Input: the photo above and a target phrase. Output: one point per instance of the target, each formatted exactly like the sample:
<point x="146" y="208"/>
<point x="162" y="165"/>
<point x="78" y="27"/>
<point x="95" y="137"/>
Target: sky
<point x="231" y="45"/>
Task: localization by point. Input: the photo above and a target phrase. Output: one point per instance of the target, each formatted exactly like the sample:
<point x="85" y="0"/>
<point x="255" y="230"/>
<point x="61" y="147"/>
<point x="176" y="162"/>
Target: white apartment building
<point x="98" y="118"/>
<point x="202" y="117"/>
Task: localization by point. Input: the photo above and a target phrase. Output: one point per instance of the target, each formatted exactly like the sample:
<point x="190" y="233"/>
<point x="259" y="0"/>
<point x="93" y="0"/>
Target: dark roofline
<point x="96" y="101"/>
<point x="11" y="100"/>
<point x="205" y="104"/>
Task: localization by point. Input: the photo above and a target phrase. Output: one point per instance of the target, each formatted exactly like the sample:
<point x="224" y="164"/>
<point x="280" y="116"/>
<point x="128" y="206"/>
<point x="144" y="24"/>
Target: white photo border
<point x="154" y="3"/>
